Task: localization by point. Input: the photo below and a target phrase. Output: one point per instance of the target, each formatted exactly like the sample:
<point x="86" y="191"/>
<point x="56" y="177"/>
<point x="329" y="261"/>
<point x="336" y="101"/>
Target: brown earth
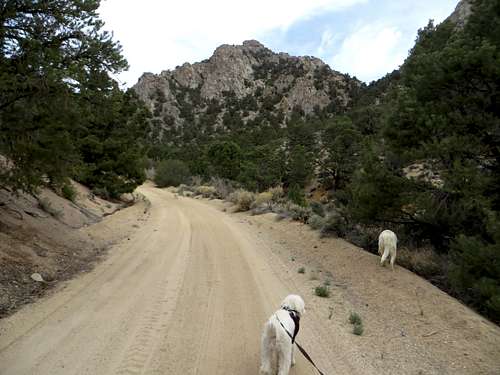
<point x="44" y="234"/>
<point x="189" y="291"/>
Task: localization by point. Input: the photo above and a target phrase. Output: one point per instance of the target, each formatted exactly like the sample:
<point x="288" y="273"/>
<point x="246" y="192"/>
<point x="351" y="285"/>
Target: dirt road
<point x="188" y="293"/>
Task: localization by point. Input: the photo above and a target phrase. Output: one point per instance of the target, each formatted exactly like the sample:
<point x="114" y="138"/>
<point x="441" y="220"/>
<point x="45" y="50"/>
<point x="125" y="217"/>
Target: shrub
<point x="196" y="180"/>
<point x="475" y="272"/>
<point x="302" y="270"/>
<point x="264" y="198"/>
<point x="260" y="210"/>
<point x="322" y="291"/>
<point x="363" y="236"/>
<point x="292" y="211"/>
<point x="423" y="261"/>
<point x="296" y="195"/>
<point x="358" y="329"/>
<point x="335" y="225"/>
<point x="316" y="221"/>
<point x="242" y="199"/>
<point x="277" y="193"/>
<point x="317" y="208"/>
<point x="182" y="189"/>
<point x="205" y="191"/>
<point x="69" y="192"/>
<point x="355" y="318"/>
<point x="101" y="192"/>
<point x="222" y="187"/>
<point x="171" y="173"/>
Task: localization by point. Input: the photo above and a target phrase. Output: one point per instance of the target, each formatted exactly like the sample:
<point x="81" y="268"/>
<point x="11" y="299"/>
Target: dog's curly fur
<point x="277" y="349"/>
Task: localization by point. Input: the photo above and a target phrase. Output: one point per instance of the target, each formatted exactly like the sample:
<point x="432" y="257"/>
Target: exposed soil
<point x="188" y="293"/>
<point x="48" y="239"/>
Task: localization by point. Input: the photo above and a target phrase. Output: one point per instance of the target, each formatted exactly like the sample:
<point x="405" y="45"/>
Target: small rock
<point x="37" y="277"/>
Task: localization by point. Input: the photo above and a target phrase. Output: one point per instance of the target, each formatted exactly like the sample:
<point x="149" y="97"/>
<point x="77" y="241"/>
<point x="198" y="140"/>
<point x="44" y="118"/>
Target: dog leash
<point x="302" y="350"/>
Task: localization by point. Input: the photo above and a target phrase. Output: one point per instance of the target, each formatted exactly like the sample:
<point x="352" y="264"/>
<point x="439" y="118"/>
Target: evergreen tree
<point x="55" y="60"/>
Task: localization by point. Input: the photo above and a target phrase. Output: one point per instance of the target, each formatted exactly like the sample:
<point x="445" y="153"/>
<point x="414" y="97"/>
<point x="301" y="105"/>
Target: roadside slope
<point x="189" y="291"/>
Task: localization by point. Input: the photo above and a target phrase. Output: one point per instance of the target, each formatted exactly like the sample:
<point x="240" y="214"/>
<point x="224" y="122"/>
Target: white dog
<point x="277" y="347"/>
<point x="387" y="245"/>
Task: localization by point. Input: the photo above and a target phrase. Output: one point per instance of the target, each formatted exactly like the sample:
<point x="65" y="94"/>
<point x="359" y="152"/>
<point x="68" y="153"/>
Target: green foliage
<point x="424" y="262"/>
<point x="293" y="211"/>
<point x="442" y="112"/>
<point x="334" y="224"/>
<point x="264" y="167"/>
<point x="302" y="270"/>
<point x="317" y="208"/>
<point x="316" y="221"/>
<point x="242" y="199"/>
<point x="355" y="318"/>
<point x="57" y="99"/>
<point x="53" y="57"/>
<point x="342" y="145"/>
<point x="69" y="192"/>
<point x="322" y="291"/>
<point x="296" y="195"/>
<point x="358" y="329"/>
<point x="110" y="146"/>
<point x="171" y="173"/>
<point x="475" y="273"/>
<point x="225" y="159"/>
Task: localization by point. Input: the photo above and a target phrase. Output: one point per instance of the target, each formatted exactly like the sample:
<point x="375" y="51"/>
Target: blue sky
<point x="365" y="38"/>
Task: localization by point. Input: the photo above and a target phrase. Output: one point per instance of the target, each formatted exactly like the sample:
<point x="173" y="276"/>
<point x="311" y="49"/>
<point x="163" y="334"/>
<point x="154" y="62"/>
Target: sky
<point x="365" y="38"/>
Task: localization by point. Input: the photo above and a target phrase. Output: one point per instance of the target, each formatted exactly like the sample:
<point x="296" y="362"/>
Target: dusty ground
<point x="45" y="238"/>
<point x="189" y="291"/>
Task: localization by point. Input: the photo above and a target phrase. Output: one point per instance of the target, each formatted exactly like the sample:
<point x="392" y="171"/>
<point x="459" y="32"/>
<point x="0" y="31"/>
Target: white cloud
<point x="371" y="51"/>
<point x="158" y="35"/>
<point x="327" y="43"/>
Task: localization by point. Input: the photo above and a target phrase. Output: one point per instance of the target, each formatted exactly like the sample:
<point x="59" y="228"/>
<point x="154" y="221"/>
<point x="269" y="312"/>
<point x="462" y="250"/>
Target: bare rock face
<point x="461" y="13"/>
<point x="241" y="82"/>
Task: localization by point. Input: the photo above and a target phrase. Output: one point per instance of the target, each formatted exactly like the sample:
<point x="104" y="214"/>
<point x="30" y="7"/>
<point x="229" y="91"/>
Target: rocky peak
<point x="461" y="13"/>
<point x="254" y="44"/>
<point x="245" y="81"/>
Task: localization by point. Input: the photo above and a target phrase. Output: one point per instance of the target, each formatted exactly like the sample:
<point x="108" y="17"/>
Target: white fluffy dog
<point x="387" y="245"/>
<point x="277" y="348"/>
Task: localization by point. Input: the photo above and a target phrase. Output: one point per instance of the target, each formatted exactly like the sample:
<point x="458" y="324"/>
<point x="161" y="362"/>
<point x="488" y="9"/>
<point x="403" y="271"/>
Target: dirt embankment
<point x="50" y="236"/>
<point x="189" y="291"/>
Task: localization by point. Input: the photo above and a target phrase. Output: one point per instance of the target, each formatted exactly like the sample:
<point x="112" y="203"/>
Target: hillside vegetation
<point x="61" y="113"/>
<point x="417" y="151"/>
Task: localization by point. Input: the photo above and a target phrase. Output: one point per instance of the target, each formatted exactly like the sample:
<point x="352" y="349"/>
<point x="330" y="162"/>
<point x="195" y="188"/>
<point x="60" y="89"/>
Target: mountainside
<point x="461" y="13"/>
<point x="240" y="84"/>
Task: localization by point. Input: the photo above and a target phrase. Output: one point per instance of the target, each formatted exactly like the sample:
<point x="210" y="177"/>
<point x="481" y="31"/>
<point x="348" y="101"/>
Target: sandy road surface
<point x="188" y="293"/>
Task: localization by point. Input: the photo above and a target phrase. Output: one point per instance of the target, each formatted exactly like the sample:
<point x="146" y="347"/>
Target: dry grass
<point x="222" y="187"/>
<point x="316" y="222"/>
<point x="423" y="261"/>
<point x="277" y="193"/>
<point x="264" y="199"/>
<point x="206" y="191"/>
<point x="242" y="199"/>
